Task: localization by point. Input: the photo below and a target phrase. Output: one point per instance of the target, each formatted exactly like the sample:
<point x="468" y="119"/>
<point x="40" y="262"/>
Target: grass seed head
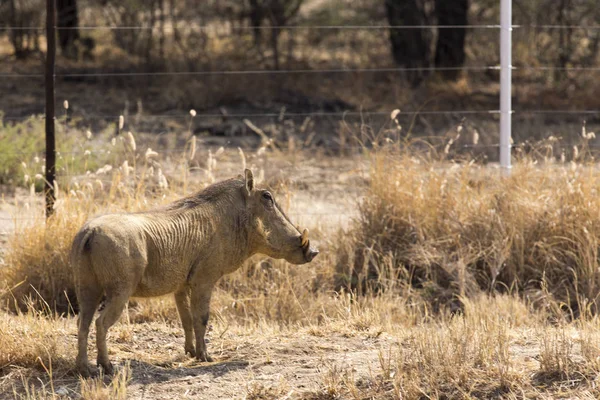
<point x="130" y="142"/>
<point x="150" y="154"/>
<point x="193" y="148"/>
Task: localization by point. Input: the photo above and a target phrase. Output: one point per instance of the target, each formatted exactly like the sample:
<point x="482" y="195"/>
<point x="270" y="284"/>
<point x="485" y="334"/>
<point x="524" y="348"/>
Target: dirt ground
<point x="267" y="362"/>
<point x="289" y="364"/>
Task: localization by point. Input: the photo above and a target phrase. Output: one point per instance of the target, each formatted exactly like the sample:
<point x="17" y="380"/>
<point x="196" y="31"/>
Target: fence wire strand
<point x="267" y="27"/>
<point x="284" y="115"/>
<point x="301" y="71"/>
<point x="317" y="27"/>
<point x="252" y="72"/>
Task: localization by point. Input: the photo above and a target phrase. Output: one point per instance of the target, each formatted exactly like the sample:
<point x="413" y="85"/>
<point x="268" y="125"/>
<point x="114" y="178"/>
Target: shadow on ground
<point x="145" y="373"/>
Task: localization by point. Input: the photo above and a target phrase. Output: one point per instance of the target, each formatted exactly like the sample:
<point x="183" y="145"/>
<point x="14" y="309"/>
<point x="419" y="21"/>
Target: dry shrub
<point x="455" y="229"/>
<point x="38" y="273"/>
<point x="454" y="357"/>
<point x="21" y="345"/>
<point x="460" y="356"/>
<point x="465" y="355"/>
<point x="478" y="354"/>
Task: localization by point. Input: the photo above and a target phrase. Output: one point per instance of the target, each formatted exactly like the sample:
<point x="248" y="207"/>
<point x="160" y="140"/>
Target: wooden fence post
<point x="50" y="142"/>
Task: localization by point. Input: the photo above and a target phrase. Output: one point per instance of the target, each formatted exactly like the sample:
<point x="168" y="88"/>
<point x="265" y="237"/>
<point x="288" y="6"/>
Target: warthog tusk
<point x="304" y="237"/>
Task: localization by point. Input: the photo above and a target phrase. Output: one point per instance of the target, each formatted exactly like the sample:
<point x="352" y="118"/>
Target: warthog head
<point x="271" y="232"/>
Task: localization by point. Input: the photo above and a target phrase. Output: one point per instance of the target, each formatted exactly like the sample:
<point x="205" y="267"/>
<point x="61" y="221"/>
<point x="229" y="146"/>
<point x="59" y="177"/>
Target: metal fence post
<point x="505" y="83"/>
<point x="49" y="83"/>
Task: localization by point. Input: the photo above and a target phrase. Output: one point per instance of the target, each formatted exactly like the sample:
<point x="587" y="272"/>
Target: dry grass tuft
<point x="21" y="345"/>
<point x="38" y="272"/>
<point x="453" y="230"/>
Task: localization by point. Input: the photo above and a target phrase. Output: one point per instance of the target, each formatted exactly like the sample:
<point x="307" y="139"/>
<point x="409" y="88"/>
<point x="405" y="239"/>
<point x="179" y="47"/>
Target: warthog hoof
<point x="191" y="351"/>
<point x="204" y="357"/>
<point x="107" y="367"/>
<point x="87" y="371"/>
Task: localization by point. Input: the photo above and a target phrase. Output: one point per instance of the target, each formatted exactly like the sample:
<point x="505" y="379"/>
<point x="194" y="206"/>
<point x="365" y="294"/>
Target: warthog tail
<point x="81" y="262"/>
<point x="83" y="241"/>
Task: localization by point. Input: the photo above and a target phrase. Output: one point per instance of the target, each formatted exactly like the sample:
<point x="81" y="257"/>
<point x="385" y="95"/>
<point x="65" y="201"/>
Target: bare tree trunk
<point x="275" y="46"/>
<point x="16" y="36"/>
<point x="410" y="47"/>
<point x="564" y="39"/>
<point x="149" y="43"/>
<point x="161" y="40"/>
<point x="291" y="46"/>
<point x="450" y="48"/>
<point x="256" y="17"/>
<point x="68" y="20"/>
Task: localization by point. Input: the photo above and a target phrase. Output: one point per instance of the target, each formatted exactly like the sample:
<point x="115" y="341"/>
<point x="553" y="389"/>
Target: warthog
<point x="181" y="248"/>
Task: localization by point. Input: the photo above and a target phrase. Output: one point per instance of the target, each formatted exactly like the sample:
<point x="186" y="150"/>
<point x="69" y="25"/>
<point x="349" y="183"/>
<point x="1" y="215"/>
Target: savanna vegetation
<point x="450" y="281"/>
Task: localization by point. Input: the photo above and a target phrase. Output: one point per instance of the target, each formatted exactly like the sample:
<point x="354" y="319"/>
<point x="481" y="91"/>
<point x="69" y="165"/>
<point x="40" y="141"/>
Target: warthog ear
<point x="249" y="178"/>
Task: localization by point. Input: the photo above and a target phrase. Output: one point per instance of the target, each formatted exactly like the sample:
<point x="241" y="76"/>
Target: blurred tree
<point x="278" y="13"/>
<point x="450" y="47"/>
<point x="23" y="19"/>
<point x="410" y="47"/>
<point x="256" y="16"/>
<point x="68" y="20"/>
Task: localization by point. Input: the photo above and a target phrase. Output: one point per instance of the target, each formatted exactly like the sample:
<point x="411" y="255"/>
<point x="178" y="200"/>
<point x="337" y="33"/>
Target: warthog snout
<point x="312" y="253"/>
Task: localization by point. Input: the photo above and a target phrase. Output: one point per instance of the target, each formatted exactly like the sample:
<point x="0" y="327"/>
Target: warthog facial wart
<point x="181" y="248"/>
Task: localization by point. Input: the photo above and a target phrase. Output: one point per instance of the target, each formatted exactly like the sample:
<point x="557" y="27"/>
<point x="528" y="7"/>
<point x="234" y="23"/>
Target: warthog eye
<point x="268" y="196"/>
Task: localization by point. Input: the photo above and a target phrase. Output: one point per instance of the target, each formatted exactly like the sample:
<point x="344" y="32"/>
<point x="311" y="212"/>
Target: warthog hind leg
<point x="182" y="299"/>
<point x="115" y="303"/>
<point x="201" y="306"/>
<point x="88" y="299"/>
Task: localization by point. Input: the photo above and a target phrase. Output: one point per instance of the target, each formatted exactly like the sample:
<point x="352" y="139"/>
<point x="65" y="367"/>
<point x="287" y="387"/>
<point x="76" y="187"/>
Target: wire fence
<point x="291" y="72"/>
<point x="300" y="71"/>
<point x="321" y="27"/>
<point x="467" y="68"/>
<point x="283" y="115"/>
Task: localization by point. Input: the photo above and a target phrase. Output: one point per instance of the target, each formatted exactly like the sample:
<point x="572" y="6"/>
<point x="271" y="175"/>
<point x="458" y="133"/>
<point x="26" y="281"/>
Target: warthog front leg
<point x="201" y="307"/>
<point x="182" y="299"/>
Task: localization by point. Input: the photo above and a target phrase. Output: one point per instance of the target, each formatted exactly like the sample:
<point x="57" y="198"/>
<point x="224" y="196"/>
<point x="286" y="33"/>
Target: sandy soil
<point x="249" y="363"/>
<point x="291" y="365"/>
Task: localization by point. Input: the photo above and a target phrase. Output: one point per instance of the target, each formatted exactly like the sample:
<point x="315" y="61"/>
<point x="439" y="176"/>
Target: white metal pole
<point x="505" y="83"/>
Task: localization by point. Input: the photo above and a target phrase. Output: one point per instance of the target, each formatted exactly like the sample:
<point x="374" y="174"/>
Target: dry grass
<point x="454" y="230"/>
<point x="454" y="282"/>
<point x="33" y="352"/>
